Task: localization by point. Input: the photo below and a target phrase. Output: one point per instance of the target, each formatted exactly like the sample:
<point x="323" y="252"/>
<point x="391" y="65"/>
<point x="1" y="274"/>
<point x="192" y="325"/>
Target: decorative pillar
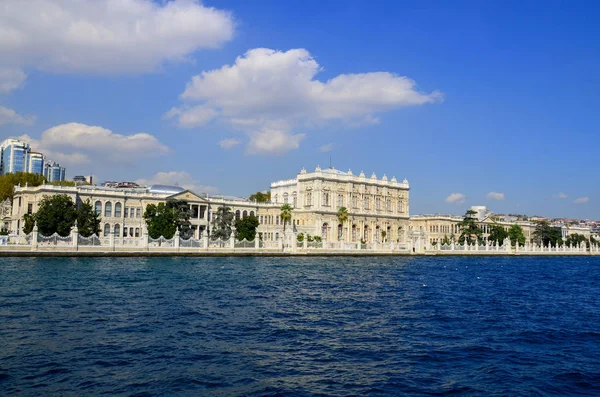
<point x="205" y="239"/>
<point x="256" y="241"/>
<point x="75" y="236"/>
<point x="176" y="239"/>
<point x="144" y="237"/>
<point x="111" y="239"/>
<point x="34" y="236"/>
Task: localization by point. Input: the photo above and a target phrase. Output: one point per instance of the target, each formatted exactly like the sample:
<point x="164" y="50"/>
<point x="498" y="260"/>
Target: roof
<point x="165" y="189"/>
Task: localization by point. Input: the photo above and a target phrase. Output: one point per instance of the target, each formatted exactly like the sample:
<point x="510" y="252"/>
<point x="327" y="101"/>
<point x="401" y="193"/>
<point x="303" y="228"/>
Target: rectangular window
<point x="126" y="212"/>
<point x="137" y="212"/>
<point x="29" y="208"/>
<point x="340" y="201"/>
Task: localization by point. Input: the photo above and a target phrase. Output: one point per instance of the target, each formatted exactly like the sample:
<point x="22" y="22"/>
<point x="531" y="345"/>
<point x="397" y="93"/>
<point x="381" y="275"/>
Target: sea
<point x="300" y="326"/>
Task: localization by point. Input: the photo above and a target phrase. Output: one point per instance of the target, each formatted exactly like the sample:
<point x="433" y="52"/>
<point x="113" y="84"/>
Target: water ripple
<point x="300" y="326"/>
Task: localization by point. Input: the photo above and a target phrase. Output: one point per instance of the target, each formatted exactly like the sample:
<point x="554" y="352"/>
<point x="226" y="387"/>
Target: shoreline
<point x="129" y="254"/>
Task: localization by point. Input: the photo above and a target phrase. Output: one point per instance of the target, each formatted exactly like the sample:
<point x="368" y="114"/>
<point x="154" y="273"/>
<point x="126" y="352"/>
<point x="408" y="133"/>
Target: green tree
<point x="9" y="181"/>
<point x="246" y="228"/>
<point x="28" y="223"/>
<point x="300" y="237"/>
<point x="261" y="197"/>
<point x="470" y="232"/>
<point x="576" y="239"/>
<point x="88" y="221"/>
<point x="56" y="214"/>
<point x="161" y="220"/>
<point x="497" y="234"/>
<point x="546" y="234"/>
<point x="286" y="214"/>
<point x="342" y="216"/>
<point x="446" y="240"/>
<point x="221" y="224"/>
<point x="516" y="235"/>
<point x="183" y="213"/>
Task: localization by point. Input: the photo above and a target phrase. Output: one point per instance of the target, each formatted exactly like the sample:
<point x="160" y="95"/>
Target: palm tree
<point x="342" y="215"/>
<point x="286" y="214"/>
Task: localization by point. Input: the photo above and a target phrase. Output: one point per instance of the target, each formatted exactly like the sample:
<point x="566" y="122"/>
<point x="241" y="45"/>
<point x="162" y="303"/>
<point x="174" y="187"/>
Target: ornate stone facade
<point x="378" y="209"/>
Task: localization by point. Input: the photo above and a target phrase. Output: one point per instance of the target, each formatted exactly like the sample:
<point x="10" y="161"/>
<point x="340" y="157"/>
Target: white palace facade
<point x="377" y="210"/>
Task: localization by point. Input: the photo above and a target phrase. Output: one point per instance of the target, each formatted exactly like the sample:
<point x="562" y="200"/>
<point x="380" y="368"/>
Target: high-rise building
<point x="35" y="163"/>
<point x="13" y="156"/>
<point x="54" y="172"/>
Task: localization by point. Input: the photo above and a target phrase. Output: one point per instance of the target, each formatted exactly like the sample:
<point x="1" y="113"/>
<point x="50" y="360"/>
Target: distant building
<point x="35" y="163"/>
<point x="54" y="172"/>
<point x="13" y="156"/>
<point x="83" y="180"/>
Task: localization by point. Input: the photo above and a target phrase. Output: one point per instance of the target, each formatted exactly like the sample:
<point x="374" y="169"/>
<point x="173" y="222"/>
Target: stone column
<point x="144" y="237"/>
<point x="111" y="239"/>
<point x="34" y="237"/>
<point x="176" y="239"/>
<point x="75" y="236"/>
<point x="305" y="242"/>
<point x="232" y="238"/>
<point x="256" y="241"/>
<point x="205" y="239"/>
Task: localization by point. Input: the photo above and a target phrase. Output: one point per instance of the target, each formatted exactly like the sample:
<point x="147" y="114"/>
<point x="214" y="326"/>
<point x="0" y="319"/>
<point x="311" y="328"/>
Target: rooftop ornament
<point x="318" y="169"/>
<point x="362" y="174"/>
<point x="373" y="176"/>
<point x="349" y="171"/>
<point x="384" y="178"/>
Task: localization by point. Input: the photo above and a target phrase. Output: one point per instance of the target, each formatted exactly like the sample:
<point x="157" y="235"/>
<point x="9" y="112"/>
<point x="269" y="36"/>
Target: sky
<point x="475" y="103"/>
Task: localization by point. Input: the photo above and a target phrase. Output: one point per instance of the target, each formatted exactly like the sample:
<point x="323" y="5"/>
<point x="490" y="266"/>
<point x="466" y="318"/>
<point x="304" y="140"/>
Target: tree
<point x="342" y="216"/>
<point x="300" y="237"/>
<point x="161" y="220"/>
<point x="88" y="221"/>
<point x="9" y="181"/>
<point x="470" y="232"/>
<point x="56" y="214"/>
<point x="576" y="239"/>
<point x="286" y="214"/>
<point x="546" y="234"/>
<point x="516" y="235"/>
<point x="183" y="213"/>
<point x="497" y="234"/>
<point x="446" y="240"/>
<point x="221" y="224"/>
<point x="28" y="223"/>
<point x="246" y="228"/>
<point x="261" y="197"/>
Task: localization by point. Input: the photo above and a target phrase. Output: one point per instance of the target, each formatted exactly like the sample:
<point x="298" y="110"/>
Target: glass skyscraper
<point x="35" y="163"/>
<point x="54" y="172"/>
<point x="14" y="156"/>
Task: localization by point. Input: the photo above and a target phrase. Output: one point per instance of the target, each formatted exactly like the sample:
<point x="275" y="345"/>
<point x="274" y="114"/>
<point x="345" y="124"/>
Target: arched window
<point x="117" y="229"/>
<point x="340" y="232"/>
<point x="137" y="232"/>
<point x="366" y="233"/>
<point x="326" y="199"/>
<point x="285" y="198"/>
<point x="251" y="213"/>
<point x="108" y="209"/>
<point x="98" y="208"/>
<point x="377" y="233"/>
<point x="131" y="231"/>
<point x="308" y="198"/>
<point x="353" y="233"/>
<point x="106" y="229"/>
<point x="324" y="229"/>
<point x="237" y="215"/>
<point x="124" y="232"/>
<point x="244" y="214"/>
<point x="117" y="210"/>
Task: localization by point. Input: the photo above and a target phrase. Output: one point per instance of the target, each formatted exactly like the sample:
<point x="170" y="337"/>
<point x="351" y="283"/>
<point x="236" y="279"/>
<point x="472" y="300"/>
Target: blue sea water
<point x="422" y="326"/>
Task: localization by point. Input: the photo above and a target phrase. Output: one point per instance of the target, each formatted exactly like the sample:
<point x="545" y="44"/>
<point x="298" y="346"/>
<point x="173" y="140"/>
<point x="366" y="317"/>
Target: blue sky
<point x="476" y="103"/>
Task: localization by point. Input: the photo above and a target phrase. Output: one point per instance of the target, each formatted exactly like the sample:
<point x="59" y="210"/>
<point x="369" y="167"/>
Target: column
<point x="75" y="236"/>
<point x="34" y="237"/>
<point x="176" y="239"/>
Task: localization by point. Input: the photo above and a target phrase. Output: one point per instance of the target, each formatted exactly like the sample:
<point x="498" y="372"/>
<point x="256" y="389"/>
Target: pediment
<point x="188" y="196"/>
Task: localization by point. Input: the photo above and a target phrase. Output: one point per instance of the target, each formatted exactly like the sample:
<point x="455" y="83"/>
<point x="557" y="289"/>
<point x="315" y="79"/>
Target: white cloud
<point x="75" y="143"/>
<point x="581" y="200"/>
<point x="9" y="116"/>
<point x="326" y="148"/>
<point x="271" y="140"/>
<point x="229" y="143"/>
<point x="10" y="78"/>
<point x="560" y="195"/>
<point x="266" y="87"/>
<point x="177" y="178"/>
<point x="495" y="196"/>
<point x="105" y="36"/>
<point x="456" y="198"/>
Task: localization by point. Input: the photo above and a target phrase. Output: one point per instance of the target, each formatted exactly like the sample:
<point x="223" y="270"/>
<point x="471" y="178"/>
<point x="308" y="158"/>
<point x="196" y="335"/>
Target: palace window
<point x="366" y="203"/>
<point x="117" y="211"/>
<point x="308" y="198"/>
<point x="137" y="212"/>
<point x="388" y="205"/>
<point x="400" y="206"/>
<point x="117" y="230"/>
<point x="378" y="203"/>
<point x="354" y="202"/>
<point x="108" y="209"/>
<point x="326" y="199"/>
<point x="106" y="230"/>
<point x="98" y="208"/>
<point x="285" y="198"/>
<point x="340" y="201"/>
